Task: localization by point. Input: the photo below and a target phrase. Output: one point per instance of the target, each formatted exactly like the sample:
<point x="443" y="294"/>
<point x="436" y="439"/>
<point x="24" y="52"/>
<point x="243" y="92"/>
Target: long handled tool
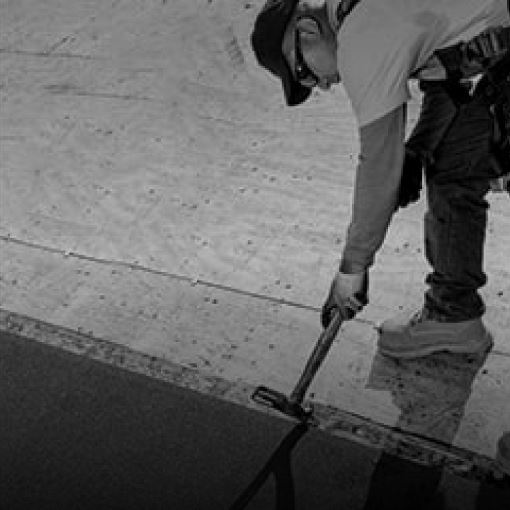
<point x="293" y="405"/>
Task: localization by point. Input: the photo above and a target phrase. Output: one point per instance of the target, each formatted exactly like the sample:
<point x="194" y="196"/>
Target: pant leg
<point x="456" y="219"/>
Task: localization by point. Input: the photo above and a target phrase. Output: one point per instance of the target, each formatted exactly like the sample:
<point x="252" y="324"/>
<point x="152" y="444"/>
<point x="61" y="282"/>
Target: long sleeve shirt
<point x="376" y="188"/>
<point x="381" y="45"/>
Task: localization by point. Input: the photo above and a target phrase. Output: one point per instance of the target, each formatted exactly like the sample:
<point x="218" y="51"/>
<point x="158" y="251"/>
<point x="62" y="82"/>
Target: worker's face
<point x="311" y="50"/>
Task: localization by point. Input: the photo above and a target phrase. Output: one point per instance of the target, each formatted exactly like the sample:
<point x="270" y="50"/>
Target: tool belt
<point x="488" y="53"/>
<point x="466" y="59"/>
<point x="495" y="86"/>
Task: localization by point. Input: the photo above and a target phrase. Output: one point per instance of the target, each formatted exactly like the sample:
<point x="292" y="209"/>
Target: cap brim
<point x="267" y="38"/>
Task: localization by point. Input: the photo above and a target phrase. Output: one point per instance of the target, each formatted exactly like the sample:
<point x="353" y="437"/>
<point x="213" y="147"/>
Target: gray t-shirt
<point x="381" y="45"/>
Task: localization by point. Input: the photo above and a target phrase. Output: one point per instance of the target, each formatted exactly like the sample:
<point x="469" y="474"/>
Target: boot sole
<point x="487" y="345"/>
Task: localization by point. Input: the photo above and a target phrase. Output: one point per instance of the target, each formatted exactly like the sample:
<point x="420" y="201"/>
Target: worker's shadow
<point x="431" y="394"/>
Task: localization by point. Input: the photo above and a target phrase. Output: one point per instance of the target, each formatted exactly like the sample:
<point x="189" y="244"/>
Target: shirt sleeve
<point x="376" y="189"/>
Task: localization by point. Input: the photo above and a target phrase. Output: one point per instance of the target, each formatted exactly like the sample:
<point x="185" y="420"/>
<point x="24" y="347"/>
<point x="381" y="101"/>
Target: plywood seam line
<point x="43" y="54"/>
<point x="193" y="281"/>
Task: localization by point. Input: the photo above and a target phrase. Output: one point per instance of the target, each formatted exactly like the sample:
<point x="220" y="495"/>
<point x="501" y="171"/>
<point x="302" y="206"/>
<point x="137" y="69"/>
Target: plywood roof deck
<point x="156" y="191"/>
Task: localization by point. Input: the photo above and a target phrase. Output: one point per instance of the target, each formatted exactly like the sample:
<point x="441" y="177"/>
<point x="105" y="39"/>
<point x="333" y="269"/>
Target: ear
<point x="308" y="27"/>
<point x="311" y="4"/>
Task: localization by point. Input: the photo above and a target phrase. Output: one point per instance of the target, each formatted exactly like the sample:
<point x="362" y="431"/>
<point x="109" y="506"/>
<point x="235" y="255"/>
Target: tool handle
<point x="317" y="357"/>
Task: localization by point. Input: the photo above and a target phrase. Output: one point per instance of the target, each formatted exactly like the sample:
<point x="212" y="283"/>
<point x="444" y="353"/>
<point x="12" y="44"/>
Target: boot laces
<point x="419" y="316"/>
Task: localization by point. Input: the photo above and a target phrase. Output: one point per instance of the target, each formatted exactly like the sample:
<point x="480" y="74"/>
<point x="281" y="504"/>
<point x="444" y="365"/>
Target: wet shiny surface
<point x="86" y="435"/>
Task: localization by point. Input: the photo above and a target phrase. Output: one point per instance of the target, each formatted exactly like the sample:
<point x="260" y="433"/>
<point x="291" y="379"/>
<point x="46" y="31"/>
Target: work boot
<point x="421" y="335"/>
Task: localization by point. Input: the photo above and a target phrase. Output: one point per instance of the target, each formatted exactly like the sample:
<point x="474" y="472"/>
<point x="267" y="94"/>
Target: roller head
<point x="280" y="402"/>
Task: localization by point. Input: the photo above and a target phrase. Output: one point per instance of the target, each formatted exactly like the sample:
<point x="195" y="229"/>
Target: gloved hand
<point x="349" y="293"/>
<point x="411" y="180"/>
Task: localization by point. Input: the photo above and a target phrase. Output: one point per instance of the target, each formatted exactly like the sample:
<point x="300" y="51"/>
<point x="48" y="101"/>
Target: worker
<point x="458" y="52"/>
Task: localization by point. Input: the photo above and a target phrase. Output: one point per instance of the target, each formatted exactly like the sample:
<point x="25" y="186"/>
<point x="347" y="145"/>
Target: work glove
<point x="411" y="180"/>
<point x="348" y="293"/>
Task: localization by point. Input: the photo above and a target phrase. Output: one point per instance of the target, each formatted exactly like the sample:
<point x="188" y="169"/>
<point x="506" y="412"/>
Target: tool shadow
<point x="431" y="394"/>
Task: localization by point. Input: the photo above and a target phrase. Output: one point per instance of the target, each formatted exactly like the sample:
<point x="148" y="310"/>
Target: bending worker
<point x="459" y="52"/>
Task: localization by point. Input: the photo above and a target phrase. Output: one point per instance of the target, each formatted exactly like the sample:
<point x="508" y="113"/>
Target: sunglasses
<point x="304" y="75"/>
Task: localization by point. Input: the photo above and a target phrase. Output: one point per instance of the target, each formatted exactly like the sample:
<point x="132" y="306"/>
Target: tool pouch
<point x="487" y="53"/>
<point x="444" y="99"/>
<point x="411" y="180"/>
<point x="495" y="87"/>
<point x="440" y="105"/>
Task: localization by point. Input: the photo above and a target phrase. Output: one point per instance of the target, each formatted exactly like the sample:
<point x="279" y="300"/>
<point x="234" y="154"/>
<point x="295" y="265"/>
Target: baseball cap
<point x="266" y="41"/>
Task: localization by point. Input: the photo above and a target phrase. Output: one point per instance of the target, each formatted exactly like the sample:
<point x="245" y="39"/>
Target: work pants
<point x="454" y="134"/>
